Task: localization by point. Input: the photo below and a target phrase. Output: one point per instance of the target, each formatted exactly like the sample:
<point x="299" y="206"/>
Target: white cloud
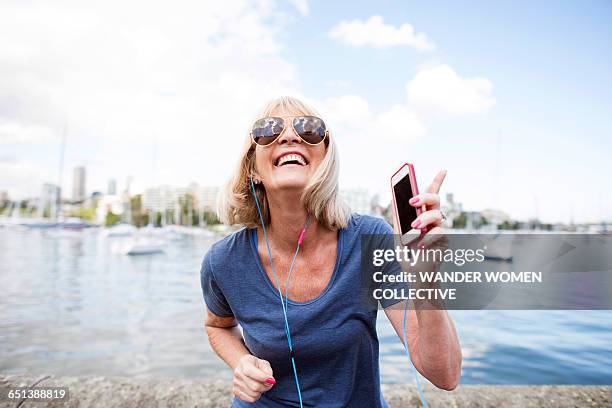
<point x="346" y="110"/>
<point x="440" y="90"/>
<point x="392" y="134"/>
<point x="375" y="33"/>
<point x="352" y="115"/>
<point x="120" y="75"/>
<point x="370" y="141"/>
<point x="400" y="124"/>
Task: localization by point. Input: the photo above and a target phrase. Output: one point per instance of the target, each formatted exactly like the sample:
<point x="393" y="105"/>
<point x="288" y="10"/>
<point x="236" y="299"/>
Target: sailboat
<point x="147" y="240"/>
<point x="144" y="241"/>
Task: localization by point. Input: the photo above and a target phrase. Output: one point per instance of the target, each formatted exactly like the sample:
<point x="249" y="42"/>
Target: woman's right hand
<point x="252" y="377"/>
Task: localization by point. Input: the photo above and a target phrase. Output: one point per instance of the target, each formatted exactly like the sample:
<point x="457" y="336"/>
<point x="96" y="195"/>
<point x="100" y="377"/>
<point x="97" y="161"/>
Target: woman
<point x="290" y="163"/>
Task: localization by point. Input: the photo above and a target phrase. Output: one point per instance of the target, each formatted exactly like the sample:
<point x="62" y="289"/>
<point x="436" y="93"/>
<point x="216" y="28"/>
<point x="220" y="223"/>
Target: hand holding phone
<point x="426" y="208"/>
<point x="404" y="187"/>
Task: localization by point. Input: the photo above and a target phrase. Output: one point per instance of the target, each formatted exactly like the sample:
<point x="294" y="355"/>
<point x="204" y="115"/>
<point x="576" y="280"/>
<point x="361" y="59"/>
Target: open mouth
<point x="291" y="158"/>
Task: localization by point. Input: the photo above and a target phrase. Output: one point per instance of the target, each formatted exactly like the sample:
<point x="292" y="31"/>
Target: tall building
<point x="78" y="184"/>
<point x="112" y="187"/>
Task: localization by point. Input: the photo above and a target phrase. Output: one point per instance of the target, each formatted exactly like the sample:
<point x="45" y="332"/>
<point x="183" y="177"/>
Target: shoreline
<point x="97" y="391"/>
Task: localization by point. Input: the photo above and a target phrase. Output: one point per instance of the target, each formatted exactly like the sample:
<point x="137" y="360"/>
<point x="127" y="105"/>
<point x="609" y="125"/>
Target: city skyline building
<point x="112" y="187"/>
<point x="78" y="183"/>
<point x="205" y="196"/>
<point x="161" y="198"/>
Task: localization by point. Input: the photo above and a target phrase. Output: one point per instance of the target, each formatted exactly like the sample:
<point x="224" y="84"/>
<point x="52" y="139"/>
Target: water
<point x="69" y="306"/>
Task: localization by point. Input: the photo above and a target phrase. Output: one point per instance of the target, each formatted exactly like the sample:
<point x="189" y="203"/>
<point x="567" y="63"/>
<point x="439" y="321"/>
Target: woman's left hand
<point x="431" y="217"/>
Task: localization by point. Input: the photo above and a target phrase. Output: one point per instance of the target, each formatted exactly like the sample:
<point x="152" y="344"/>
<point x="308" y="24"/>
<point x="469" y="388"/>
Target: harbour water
<point x="72" y="306"/>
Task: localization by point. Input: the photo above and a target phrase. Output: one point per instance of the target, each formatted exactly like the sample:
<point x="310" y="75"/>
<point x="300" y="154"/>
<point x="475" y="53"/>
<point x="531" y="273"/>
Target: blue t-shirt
<point x="334" y="335"/>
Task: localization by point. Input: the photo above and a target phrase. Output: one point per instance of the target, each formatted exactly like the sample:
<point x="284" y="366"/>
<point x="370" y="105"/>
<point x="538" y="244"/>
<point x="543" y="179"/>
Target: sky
<point x="512" y="98"/>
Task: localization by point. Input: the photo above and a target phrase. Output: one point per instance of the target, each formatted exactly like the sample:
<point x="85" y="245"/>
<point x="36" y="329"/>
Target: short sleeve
<point x="387" y="241"/>
<point x="213" y="296"/>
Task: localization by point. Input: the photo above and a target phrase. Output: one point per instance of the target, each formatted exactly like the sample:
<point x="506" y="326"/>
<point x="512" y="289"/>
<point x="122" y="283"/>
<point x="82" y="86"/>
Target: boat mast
<point x="58" y="199"/>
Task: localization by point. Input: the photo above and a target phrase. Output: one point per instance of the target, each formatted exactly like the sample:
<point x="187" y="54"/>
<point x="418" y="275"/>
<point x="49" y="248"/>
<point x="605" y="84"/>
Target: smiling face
<point x="288" y="163"/>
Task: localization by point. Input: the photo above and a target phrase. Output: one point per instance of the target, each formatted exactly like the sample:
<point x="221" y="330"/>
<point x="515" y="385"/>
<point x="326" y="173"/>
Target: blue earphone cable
<point x="280" y="293"/>
<point x="414" y="371"/>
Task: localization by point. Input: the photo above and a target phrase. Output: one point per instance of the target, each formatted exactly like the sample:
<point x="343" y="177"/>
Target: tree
<point x="111" y="219"/>
<point x="460" y="221"/>
<point x="210" y="218"/>
<point x="84" y="213"/>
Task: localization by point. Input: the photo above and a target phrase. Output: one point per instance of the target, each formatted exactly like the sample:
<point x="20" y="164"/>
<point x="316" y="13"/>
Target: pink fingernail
<point x="271" y="380"/>
<point x="413" y="200"/>
<point x="416" y="224"/>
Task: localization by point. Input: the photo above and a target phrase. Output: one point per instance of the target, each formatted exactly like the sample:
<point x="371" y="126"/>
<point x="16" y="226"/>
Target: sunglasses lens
<point x="310" y="128"/>
<point x="266" y="130"/>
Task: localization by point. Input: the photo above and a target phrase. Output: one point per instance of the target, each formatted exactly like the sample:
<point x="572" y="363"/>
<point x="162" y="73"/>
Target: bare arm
<point x="225" y="338"/>
<point x="430" y="332"/>
<point x="252" y="376"/>
<point x="433" y="344"/>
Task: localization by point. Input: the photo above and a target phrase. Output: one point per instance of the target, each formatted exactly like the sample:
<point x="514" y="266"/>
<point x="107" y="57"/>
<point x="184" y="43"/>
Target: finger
<point x="255" y="373"/>
<point x="242" y="390"/>
<point x="434" y="187"/>
<point x="264" y="366"/>
<point x="256" y="386"/>
<point x="427" y="218"/>
<point x="246" y="396"/>
<point x="435" y="237"/>
<point x="429" y="199"/>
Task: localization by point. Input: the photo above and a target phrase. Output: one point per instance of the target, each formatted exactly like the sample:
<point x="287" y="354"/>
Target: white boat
<point x="120" y="230"/>
<point x="144" y="248"/>
<point x="137" y="246"/>
<point x="142" y="242"/>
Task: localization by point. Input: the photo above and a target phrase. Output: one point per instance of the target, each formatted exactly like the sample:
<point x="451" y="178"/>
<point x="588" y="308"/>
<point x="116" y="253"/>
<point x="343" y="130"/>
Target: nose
<point x="289" y="136"/>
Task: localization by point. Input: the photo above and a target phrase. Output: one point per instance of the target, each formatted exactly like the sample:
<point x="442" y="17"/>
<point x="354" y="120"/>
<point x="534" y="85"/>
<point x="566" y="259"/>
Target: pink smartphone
<point x="403" y="188"/>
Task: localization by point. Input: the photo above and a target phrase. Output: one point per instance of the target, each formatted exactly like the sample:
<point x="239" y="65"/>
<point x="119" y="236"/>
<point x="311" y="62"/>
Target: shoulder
<point x="368" y="224"/>
<point x="229" y="247"/>
<point x="361" y="226"/>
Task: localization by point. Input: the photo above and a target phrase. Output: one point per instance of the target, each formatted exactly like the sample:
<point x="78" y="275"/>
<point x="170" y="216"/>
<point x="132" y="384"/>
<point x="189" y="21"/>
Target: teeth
<point x="291" y="157"/>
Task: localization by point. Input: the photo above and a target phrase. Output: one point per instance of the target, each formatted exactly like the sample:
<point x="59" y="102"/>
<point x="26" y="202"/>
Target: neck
<point x="287" y="218"/>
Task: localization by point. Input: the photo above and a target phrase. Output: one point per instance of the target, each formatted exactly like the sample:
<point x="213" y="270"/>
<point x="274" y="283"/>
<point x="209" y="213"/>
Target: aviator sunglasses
<point x="310" y="129"/>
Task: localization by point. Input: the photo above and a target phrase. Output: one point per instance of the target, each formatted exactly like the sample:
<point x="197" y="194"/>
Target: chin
<point x="291" y="183"/>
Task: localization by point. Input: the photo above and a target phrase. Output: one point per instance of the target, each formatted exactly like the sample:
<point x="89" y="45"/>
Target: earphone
<point x="414" y="371"/>
<point x="285" y="303"/>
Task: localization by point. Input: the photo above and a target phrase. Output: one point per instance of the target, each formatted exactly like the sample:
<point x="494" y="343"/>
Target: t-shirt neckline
<point x="255" y="253"/>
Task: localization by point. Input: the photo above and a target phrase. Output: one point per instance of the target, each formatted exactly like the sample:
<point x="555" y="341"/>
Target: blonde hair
<point x="320" y="198"/>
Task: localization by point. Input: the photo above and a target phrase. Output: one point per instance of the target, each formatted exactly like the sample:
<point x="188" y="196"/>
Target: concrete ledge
<point x="88" y="392"/>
